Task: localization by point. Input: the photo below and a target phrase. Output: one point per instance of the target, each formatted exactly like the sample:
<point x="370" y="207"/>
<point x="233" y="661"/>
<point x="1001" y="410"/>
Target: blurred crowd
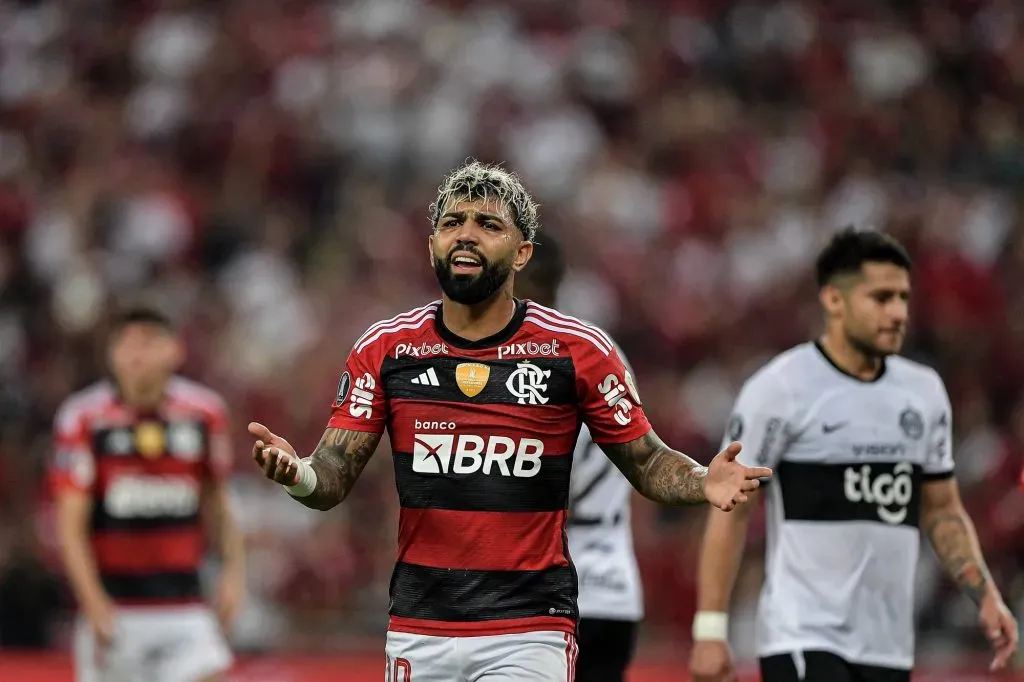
<point x="262" y="168"/>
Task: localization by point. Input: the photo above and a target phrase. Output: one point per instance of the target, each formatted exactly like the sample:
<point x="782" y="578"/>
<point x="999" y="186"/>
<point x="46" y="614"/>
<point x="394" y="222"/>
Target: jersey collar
<point x="450" y="337"/>
<point x="824" y="354"/>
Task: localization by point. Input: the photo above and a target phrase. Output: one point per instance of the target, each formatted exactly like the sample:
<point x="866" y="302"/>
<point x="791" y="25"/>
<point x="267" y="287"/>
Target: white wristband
<point x="307" y="480"/>
<point x="711" y="626"/>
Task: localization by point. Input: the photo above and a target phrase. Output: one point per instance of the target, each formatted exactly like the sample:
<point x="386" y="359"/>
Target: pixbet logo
<point x="614" y="392"/>
<point x="424" y="350"/>
<point x="885" y="490"/>
<point x="437" y="453"/>
<point x="530" y="348"/>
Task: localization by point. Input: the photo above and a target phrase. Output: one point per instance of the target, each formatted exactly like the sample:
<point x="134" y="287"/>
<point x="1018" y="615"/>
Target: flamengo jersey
<point x="850" y="457"/>
<point x="145" y="473"/>
<point x="483" y="434"/>
<point x="600" y="534"/>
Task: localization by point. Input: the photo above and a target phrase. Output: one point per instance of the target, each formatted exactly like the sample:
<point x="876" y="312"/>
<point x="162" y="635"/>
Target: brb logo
<point x="151" y="496"/>
<point x="527" y="384"/>
<point x="885" y="490"/>
<point x="437" y="453"/>
<point x="530" y="348"/>
<point x="362" y="397"/>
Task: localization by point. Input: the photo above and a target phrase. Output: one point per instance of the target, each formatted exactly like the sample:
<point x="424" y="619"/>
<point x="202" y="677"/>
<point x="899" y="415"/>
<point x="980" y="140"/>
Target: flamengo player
<point x="599" y="524"/>
<point x="138" y="461"/>
<point x="862" y="439"/>
<point x="483" y="395"/>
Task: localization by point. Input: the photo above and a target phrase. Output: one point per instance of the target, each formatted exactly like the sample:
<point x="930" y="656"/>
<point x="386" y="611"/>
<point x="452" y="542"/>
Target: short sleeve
<point x="760" y="420"/>
<point x="219" y="460"/>
<point x="360" y="404"/>
<point x="939" y="463"/>
<point x="609" y="399"/>
<point x="73" y="463"/>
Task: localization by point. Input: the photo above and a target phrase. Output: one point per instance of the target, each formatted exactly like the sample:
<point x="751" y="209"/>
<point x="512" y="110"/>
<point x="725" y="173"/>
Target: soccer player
<point x="600" y="535"/>
<point x="483" y="395"/>
<point x="140" y="460"/>
<point x="862" y="442"/>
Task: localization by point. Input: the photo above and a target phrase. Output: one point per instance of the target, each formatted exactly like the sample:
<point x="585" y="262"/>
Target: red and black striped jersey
<point x="145" y="473"/>
<point x="483" y="434"/>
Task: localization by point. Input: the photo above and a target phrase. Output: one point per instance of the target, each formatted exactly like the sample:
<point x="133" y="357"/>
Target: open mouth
<point x="464" y="263"/>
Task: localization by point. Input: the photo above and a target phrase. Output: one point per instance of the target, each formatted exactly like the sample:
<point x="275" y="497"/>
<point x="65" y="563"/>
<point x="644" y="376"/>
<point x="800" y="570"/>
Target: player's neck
<point x="143" y="397"/>
<point x="850" y="359"/>
<point x="475" y="322"/>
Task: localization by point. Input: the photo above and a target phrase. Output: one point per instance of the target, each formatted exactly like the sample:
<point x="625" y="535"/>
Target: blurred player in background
<point x="140" y="460"/>
<point x="482" y="395"/>
<point x="600" y="531"/>
<point x="862" y="441"/>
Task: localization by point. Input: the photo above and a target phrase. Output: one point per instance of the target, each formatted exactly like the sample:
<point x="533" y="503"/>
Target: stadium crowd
<point x="262" y="169"/>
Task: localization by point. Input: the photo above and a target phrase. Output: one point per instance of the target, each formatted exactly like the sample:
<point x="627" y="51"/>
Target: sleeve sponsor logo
<point x="362" y="397"/>
<point x="77" y="463"/>
<point x="614" y="393"/>
<point x="771" y="437"/>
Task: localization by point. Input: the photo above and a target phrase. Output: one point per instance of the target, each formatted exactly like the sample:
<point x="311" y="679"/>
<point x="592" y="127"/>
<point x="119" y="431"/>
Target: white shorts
<point x="528" y="657"/>
<point x="154" y="644"/>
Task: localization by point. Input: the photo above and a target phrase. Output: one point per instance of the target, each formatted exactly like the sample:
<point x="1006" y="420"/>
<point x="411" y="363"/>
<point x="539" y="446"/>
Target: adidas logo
<point x="428" y="378"/>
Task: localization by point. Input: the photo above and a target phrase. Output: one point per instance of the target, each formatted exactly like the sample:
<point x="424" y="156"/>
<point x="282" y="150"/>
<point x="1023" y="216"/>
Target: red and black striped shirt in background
<point x="145" y="473"/>
<point x="483" y="434"/>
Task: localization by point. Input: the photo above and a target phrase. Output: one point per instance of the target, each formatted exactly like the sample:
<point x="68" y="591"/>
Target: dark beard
<point x="472" y="289"/>
<point x="867" y="349"/>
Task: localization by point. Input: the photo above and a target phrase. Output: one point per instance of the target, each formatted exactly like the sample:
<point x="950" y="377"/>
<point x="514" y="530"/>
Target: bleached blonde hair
<point x="474" y="181"/>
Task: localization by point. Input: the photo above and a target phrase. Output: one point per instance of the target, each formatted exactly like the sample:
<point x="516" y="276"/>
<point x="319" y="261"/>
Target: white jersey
<point x="600" y="534"/>
<point x="843" y="507"/>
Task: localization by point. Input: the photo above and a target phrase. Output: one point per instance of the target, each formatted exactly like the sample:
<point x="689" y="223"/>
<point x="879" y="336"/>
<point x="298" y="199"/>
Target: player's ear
<point x="523" y="255"/>
<point x="177" y="354"/>
<point x="430" y="248"/>
<point x="831" y="298"/>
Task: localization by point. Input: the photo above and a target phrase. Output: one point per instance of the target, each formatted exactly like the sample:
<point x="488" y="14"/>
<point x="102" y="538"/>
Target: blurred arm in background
<point x="951" y="532"/>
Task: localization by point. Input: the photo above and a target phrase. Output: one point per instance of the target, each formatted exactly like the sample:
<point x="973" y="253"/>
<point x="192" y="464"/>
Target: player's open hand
<point x="729" y="481"/>
<point x="275" y="455"/>
<point x="1000" y="629"/>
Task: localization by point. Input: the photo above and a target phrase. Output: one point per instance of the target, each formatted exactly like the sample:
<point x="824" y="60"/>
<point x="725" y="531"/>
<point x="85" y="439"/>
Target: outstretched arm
<point x="325" y="478"/>
<point x="669" y="477"/>
<point x="658" y="472"/>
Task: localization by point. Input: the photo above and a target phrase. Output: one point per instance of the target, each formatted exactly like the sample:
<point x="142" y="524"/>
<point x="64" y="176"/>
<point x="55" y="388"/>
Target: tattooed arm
<point x="658" y="472"/>
<point x="666" y="476"/>
<point x="951" y="532"/>
<point x="337" y="462"/>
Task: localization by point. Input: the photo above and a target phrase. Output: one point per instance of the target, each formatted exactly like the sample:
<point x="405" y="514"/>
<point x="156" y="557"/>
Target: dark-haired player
<point x="600" y="533"/>
<point x="483" y="396"/>
<point x="862" y="442"/>
<point x="140" y="460"/>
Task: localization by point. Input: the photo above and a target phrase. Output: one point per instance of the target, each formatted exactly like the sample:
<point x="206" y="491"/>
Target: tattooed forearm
<point x="956" y="544"/>
<point x="338" y="460"/>
<point x="660" y="473"/>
